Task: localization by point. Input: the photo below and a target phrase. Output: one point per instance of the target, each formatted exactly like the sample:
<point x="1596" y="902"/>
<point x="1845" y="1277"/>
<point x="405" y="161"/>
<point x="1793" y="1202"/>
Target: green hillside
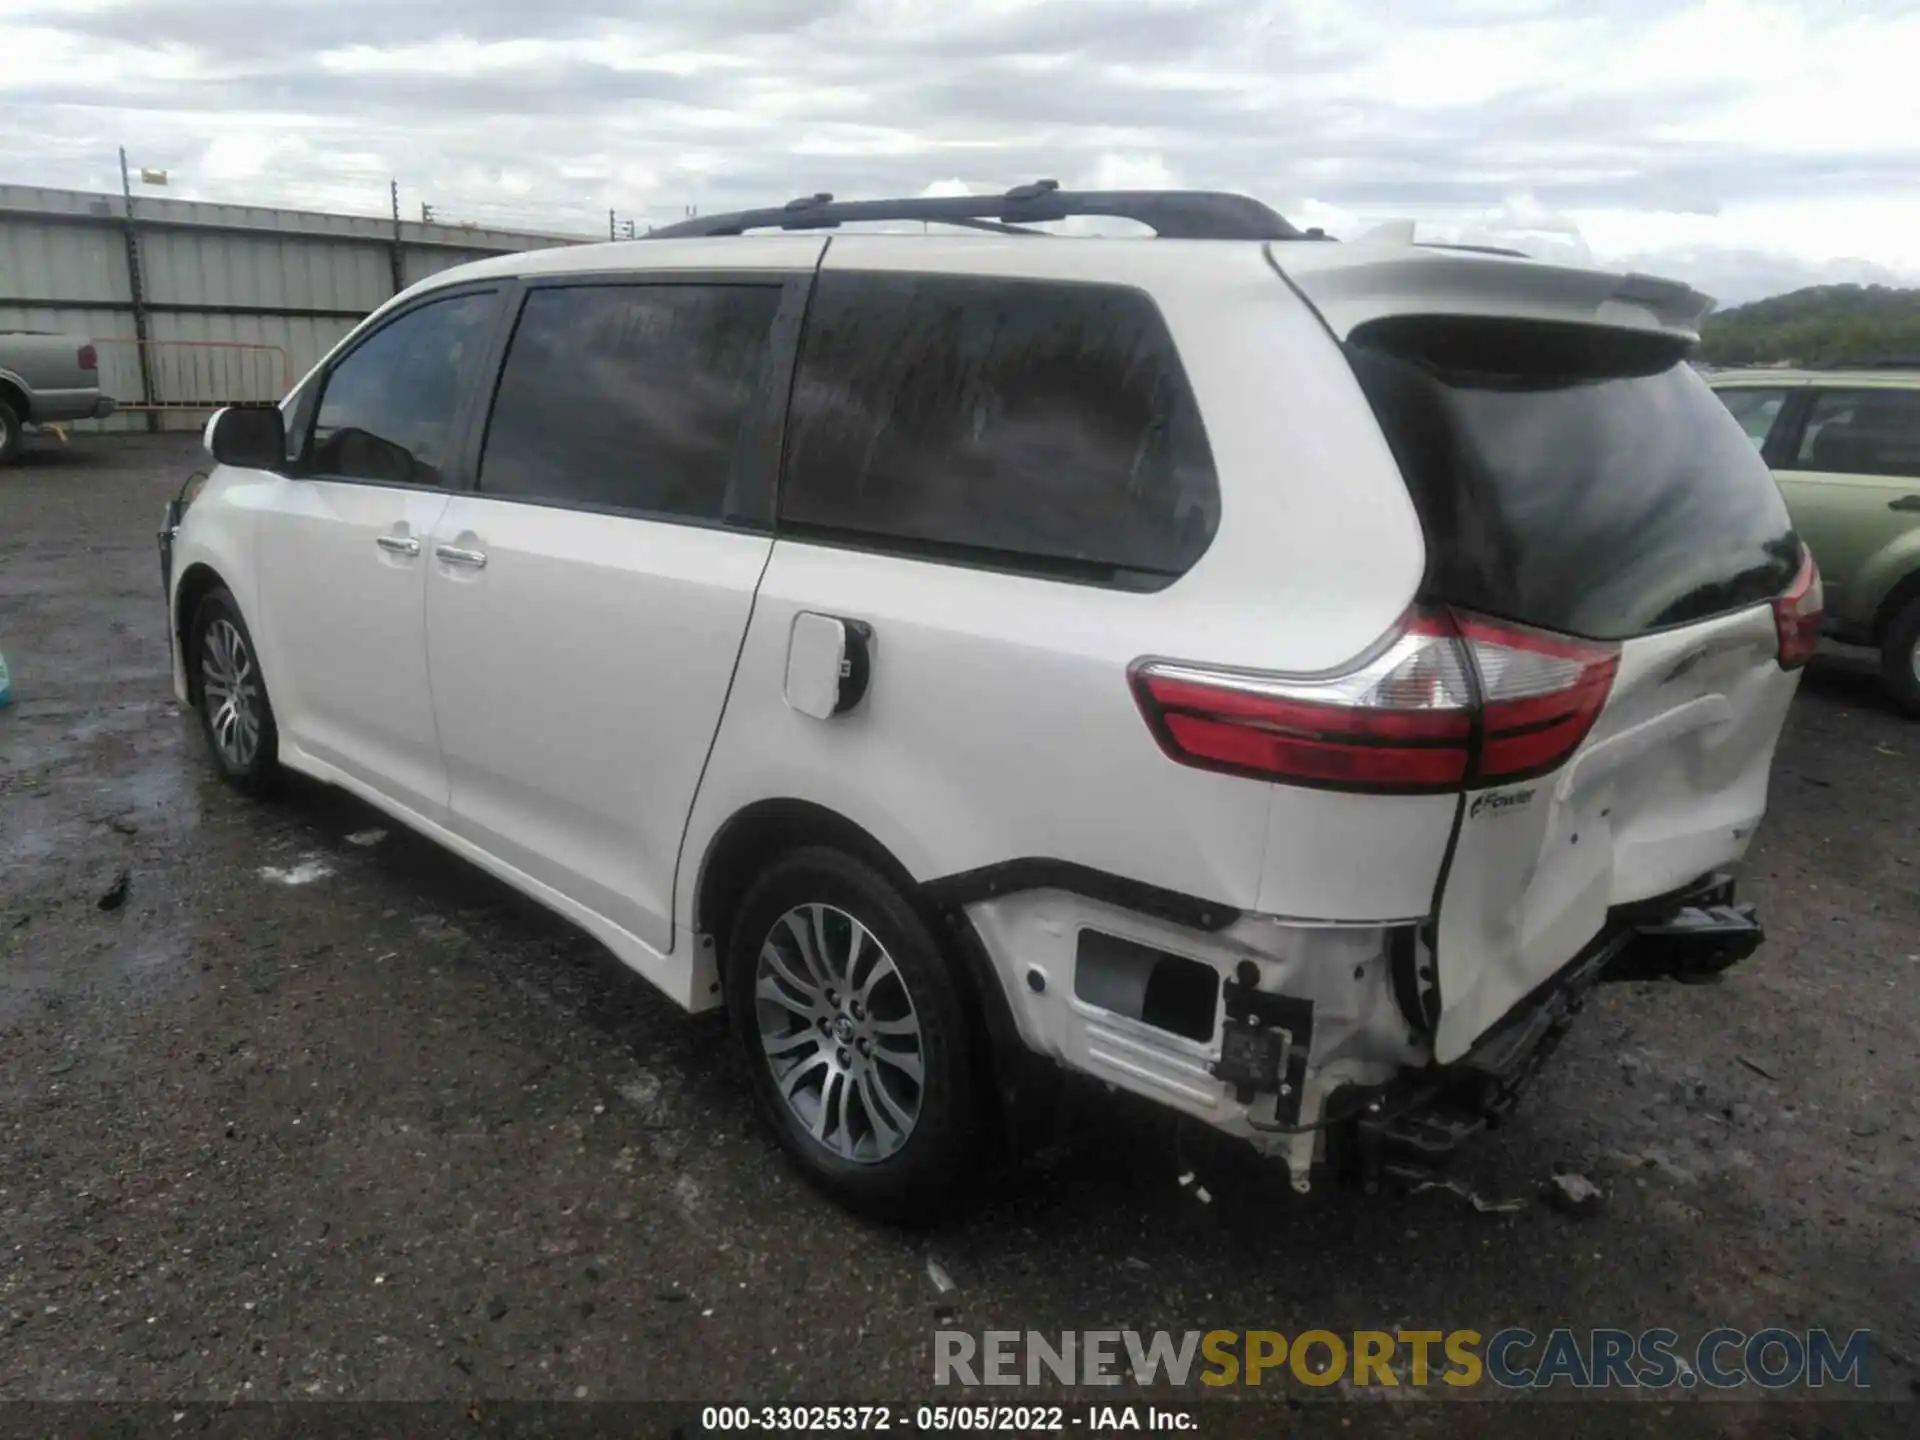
<point x="1821" y="325"/>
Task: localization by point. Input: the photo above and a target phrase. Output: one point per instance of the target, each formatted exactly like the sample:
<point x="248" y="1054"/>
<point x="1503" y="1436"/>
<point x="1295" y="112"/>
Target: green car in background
<point x="1845" y="447"/>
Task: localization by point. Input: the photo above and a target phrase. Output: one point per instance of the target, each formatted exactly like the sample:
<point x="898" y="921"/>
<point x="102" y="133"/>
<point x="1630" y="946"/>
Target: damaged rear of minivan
<point x="1594" y="674"/>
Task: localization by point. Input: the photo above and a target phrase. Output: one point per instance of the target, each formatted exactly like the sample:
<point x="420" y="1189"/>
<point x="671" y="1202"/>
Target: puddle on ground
<point x="70" y="813"/>
<point x="34" y="831"/>
<point x="164" y="783"/>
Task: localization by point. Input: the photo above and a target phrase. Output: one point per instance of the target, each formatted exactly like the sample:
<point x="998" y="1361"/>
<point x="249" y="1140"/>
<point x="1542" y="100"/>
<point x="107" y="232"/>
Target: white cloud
<point x="1130" y="172"/>
<point x="1814" y="80"/>
<point x="1749" y="140"/>
<point x="1451" y="68"/>
<point x="952" y="189"/>
<point x="243" y="155"/>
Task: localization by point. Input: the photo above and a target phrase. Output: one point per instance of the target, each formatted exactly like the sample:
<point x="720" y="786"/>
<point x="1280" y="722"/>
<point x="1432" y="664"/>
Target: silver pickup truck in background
<point x="46" y="378"/>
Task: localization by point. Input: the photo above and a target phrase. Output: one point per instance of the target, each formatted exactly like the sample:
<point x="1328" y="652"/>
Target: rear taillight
<point x="89" y="358"/>
<point x="1540" y="694"/>
<point x="1410" y="720"/>
<point x="1798" y="614"/>
<point x="1401" y="722"/>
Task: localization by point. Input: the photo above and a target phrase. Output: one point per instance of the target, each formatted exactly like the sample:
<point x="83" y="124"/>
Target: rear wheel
<point x="11" y="434"/>
<point x="1900" y="657"/>
<point x="235" y="714"/>
<point x="856" y="1034"/>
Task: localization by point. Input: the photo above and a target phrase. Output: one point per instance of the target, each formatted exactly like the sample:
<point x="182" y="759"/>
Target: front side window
<point x="1755" y="409"/>
<point x="388" y="408"/>
<point x="1862" y="432"/>
<point x="1038" y="426"/>
<point x="630" y="397"/>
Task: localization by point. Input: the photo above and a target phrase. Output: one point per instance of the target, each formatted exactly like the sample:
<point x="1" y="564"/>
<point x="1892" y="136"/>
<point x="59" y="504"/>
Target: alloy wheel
<point x="840" y="1033"/>
<point x="231" y="689"/>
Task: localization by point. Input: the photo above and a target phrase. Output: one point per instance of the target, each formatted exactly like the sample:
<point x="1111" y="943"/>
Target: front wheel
<point x="235" y="714"/>
<point x="11" y="435"/>
<point x="856" y="1032"/>
<point x="1900" y="657"/>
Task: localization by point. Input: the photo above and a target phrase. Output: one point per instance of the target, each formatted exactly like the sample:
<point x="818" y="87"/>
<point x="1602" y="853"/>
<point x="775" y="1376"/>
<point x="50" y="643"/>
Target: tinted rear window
<point x="1582" y="480"/>
<point x="1025" y="425"/>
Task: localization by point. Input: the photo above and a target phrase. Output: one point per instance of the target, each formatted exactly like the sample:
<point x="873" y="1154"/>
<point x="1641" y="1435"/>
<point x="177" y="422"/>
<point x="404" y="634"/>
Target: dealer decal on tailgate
<point x="1494" y="801"/>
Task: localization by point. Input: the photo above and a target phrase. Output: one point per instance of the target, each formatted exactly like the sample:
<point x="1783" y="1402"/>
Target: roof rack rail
<point x="1170" y="214"/>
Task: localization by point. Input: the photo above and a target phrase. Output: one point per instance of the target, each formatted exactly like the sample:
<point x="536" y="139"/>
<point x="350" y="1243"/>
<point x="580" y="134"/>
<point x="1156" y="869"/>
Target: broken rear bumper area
<point x="1414" y="1125"/>
<point x="1311" y="1042"/>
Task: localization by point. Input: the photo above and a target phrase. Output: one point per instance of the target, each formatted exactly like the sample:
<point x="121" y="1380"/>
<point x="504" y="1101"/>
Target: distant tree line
<point x="1821" y="325"/>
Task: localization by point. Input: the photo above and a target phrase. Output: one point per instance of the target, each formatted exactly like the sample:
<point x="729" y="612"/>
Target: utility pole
<point x="397" y="254"/>
<point x="426" y="213"/>
<point x="138" y="292"/>
<point x="610" y="234"/>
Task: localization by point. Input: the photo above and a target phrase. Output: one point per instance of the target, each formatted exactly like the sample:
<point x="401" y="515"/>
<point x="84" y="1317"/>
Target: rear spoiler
<point x="1351" y="285"/>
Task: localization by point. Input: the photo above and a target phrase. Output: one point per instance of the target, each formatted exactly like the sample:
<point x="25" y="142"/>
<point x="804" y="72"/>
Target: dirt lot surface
<point x="303" y="1119"/>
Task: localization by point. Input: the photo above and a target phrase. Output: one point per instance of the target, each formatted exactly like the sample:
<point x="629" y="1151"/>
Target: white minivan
<point x="1269" y="675"/>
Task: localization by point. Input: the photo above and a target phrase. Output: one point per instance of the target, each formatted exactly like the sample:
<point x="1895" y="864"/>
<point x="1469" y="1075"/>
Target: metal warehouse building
<point x="195" y="305"/>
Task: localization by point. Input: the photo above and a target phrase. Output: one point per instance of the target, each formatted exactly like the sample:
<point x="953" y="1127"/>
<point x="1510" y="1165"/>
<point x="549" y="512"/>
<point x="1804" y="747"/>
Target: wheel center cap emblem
<point x="843" y="1029"/>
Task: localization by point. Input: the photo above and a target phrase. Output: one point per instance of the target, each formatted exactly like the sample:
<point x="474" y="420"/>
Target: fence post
<point x="147" y="394"/>
<point x="396" y="253"/>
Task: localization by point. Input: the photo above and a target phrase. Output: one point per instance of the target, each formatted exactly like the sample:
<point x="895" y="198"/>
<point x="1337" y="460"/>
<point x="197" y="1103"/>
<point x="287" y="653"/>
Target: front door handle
<point x="1905" y="502"/>
<point x="398" y="544"/>
<point x="455" y="555"/>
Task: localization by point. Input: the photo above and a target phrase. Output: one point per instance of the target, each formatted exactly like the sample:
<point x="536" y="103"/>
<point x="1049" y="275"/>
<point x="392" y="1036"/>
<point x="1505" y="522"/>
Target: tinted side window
<point x="388" y="408"/>
<point x="1862" y="432"/>
<point x="631" y="397"/>
<point x="1045" y="425"/>
<point x="1755" y="409"/>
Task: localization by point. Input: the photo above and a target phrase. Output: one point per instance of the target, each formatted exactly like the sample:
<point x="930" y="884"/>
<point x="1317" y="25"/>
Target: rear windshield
<point x="1573" y="478"/>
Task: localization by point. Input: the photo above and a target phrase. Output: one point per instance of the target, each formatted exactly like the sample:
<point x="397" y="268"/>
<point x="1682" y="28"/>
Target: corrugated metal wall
<point x="238" y="300"/>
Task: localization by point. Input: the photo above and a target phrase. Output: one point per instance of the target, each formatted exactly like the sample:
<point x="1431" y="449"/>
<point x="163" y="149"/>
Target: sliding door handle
<point x="455" y="555"/>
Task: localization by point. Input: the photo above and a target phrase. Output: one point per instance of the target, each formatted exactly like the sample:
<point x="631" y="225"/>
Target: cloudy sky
<point x="1747" y="146"/>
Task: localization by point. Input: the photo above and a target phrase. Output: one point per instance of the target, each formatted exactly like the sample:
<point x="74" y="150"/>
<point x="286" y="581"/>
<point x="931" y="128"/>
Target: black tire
<point x="921" y="1175"/>
<point x="12" y="436"/>
<point x="219" y="640"/>
<point x="1900" y="657"/>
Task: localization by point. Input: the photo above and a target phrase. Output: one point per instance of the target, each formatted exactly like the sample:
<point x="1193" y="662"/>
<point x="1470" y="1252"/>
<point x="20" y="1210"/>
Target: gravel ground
<point x="393" y="1133"/>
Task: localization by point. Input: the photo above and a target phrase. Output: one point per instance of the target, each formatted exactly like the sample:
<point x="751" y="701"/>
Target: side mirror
<point x="248" y="436"/>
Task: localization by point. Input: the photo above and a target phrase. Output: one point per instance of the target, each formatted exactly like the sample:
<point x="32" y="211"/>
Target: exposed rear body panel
<point x="1670" y="785"/>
